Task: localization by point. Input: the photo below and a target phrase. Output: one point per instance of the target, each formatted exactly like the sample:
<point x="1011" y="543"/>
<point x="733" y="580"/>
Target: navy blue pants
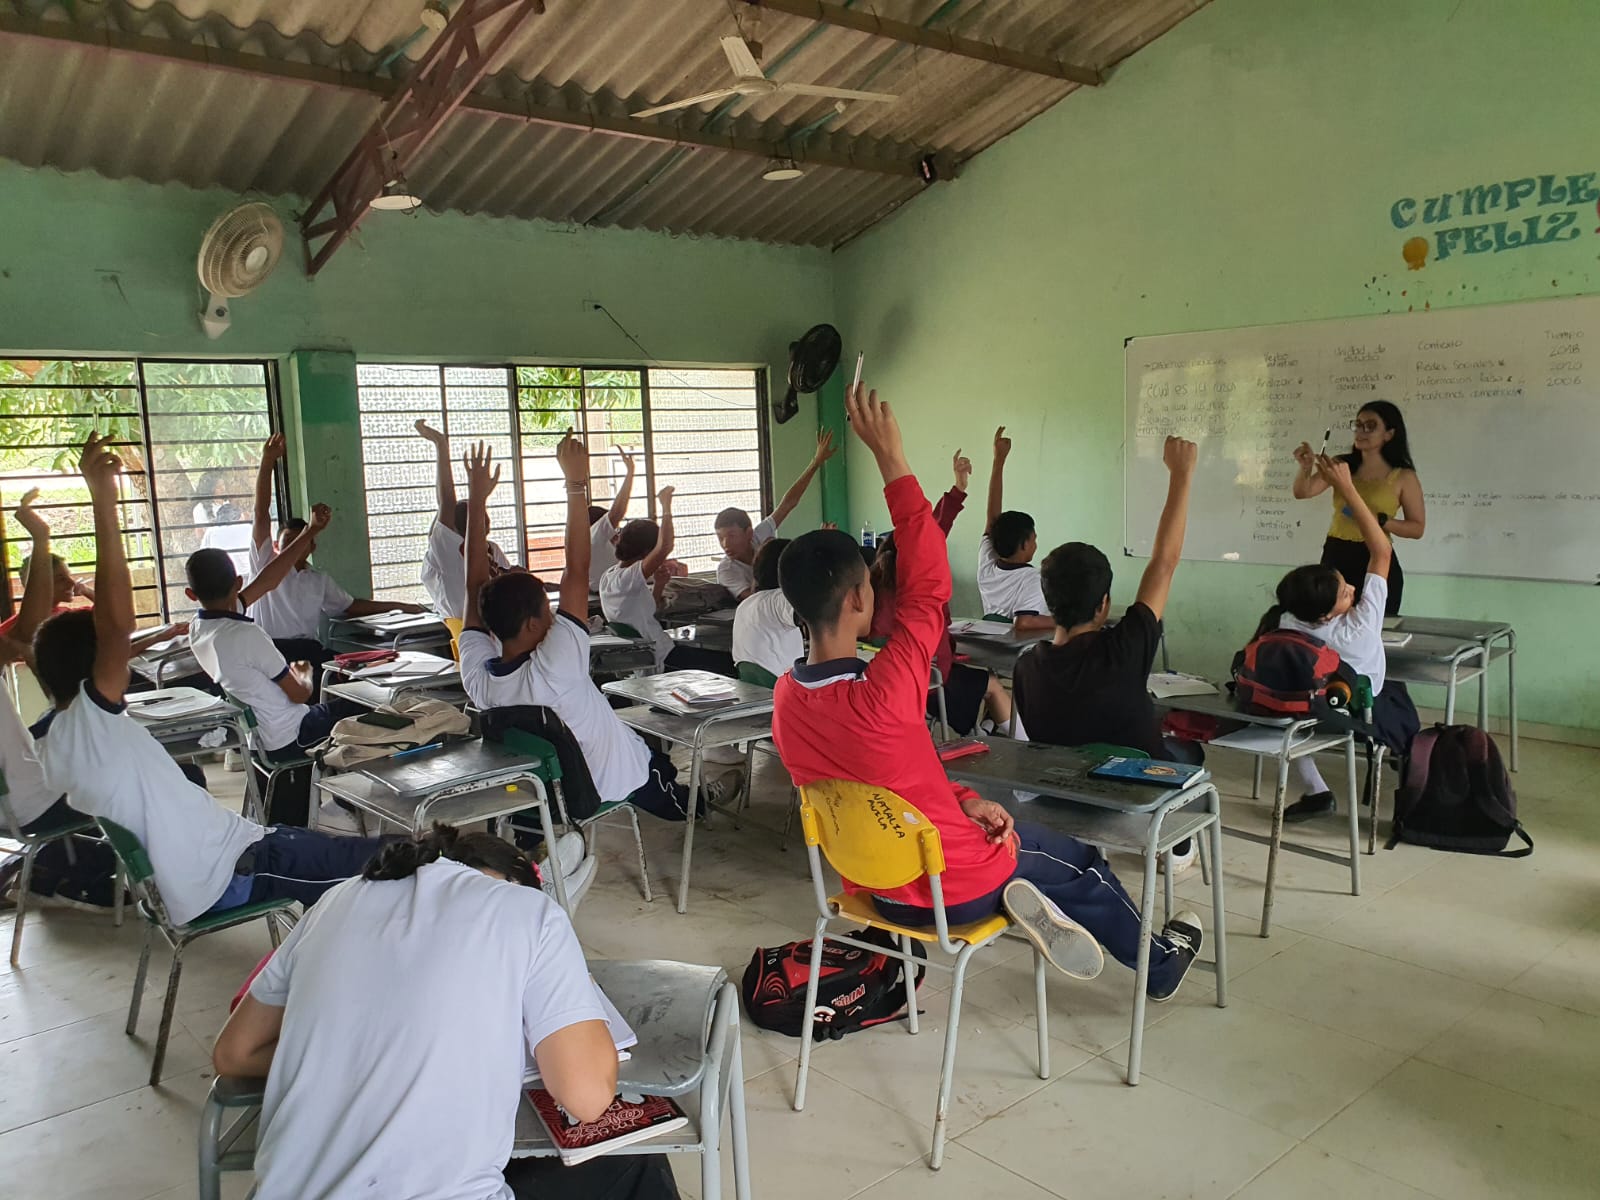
<point x="1076" y="877"/>
<point x="301" y="864"/>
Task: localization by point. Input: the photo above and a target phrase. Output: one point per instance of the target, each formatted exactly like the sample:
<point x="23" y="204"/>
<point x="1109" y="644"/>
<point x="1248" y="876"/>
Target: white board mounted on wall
<point x="1502" y="404"/>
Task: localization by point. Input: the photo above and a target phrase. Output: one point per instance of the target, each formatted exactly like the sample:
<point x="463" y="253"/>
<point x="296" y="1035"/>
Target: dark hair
<point x="212" y="575"/>
<point x="1306" y="593"/>
<point x="735" y="518"/>
<point x="1009" y="531"/>
<point x="228" y="513"/>
<point x="1075" y="577"/>
<point x="461" y="517"/>
<point x="27" y="566"/>
<point x="636" y="540"/>
<point x="881" y="559"/>
<point x="63" y="654"/>
<point x="766" y="563"/>
<point x="400" y="859"/>
<point x="510" y="600"/>
<point x="290" y="527"/>
<point x="1397" y="450"/>
<point x="816" y="570"/>
<point x="596" y="512"/>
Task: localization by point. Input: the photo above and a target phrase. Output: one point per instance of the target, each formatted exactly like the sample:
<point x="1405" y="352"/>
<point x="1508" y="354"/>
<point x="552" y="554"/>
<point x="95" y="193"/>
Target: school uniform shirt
<point x="444" y="570"/>
<point x="767" y="632"/>
<point x="1356" y="636"/>
<point x="411" y="1007"/>
<point x="945" y="511"/>
<point x="556" y="676"/>
<point x="26" y="791"/>
<point x="295" y="608"/>
<point x="237" y="654"/>
<point x="866" y="722"/>
<point x="1095" y="688"/>
<point x="739" y="577"/>
<point x="602" y="554"/>
<point x="109" y="766"/>
<point x="626" y="596"/>
<point x="1008" y="590"/>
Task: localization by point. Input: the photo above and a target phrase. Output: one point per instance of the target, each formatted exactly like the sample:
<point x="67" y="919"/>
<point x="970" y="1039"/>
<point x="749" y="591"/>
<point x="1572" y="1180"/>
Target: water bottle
<point x="869" y="539"/>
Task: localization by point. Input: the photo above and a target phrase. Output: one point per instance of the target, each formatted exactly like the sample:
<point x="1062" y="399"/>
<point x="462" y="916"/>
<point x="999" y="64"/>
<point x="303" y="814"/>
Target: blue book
<point x="1147" y="770"/>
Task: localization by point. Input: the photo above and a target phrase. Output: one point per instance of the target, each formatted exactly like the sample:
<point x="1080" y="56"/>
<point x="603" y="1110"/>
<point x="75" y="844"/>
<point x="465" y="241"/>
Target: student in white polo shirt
<point x="630" y="591"/>
<point x="605" y="524"/>
<point x="393" y="1026"/>
<point x="444" y="571"/>
<point x="766" y="631"/>
<point x="517" y="650"/>
<point x="205" y="858"/>
<point x="740" y="541"/>
<point x="1008" y="582"/>
<point x="291" y="613"/>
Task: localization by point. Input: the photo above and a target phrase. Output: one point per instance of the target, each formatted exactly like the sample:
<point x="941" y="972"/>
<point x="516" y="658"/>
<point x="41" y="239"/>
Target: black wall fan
<point x="811" y="361"/>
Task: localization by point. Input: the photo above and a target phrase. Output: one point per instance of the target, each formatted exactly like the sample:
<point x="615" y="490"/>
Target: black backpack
<point x="1455" y="795"/>
<point x="579" y="795"/>
<point x="1287" y="673"/>
<point x="858" y="988"/>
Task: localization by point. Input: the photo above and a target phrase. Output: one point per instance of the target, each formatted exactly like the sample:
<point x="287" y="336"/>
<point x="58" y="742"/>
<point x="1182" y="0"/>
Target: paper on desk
<point x="404" y="668"/>
<point x="1164" y="685"/>
<point x="160" y="708"/>
<point x="971" y="627"/>
<point x="1258" y="739"/>
<point x="1394" y="638"/>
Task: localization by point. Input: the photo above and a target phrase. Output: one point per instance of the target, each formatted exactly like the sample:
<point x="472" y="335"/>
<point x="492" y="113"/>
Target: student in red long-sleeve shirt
<point x="966" y="687"/>
<point x="838" y="718"/>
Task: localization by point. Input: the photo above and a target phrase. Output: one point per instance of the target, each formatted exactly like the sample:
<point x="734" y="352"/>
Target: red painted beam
<point x="409" y="119"/>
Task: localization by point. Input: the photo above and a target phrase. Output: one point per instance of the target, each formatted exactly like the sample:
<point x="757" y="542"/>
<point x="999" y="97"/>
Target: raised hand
<point x="627" y="458"/>
<point x="272" y="450"/>
<point x="1335" y="472"/>
<point x="664" y="497"/>
<point x="321" y="514"/>
<point x="962" y="466"/>
<point x="33" y="522"/>
<point x="875" y="424"/>
<point x="430" y="433"/>
<point x="1002" y="444"/>
<point x="1305" y="456"/>
<point x="825" y="448"/>
<point x="99" y="464"/>
<point x="482" y="475"/>
<point x="573" y="458"/>
<point x="1180" y="455"/>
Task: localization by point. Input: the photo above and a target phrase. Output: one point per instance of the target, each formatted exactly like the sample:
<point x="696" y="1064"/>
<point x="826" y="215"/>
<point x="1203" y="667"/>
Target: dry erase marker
<point x="860" y="359"/>
<point x="1328" y="433"/>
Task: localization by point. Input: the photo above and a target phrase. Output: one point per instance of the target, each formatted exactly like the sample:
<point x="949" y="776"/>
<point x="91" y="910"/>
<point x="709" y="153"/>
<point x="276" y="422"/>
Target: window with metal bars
<point x="701" y="430"/>
<point x="190" y="436"/>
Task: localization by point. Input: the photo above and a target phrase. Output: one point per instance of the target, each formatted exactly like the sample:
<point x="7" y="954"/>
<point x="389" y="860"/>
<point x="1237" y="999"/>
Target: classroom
<point x="600" y="549"/>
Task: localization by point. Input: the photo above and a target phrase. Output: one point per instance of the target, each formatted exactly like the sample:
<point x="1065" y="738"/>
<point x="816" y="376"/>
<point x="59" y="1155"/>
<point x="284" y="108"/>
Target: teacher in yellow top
<point x="1384" y="475"/>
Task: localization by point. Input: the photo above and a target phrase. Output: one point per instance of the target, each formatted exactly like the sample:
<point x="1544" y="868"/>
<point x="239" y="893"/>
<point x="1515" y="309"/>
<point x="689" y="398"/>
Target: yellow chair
<point x="878" y="841"/>
<point x="454" y="625"/>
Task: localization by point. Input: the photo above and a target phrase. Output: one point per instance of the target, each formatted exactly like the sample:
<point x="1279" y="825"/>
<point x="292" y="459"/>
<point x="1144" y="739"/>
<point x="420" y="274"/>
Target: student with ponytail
<point x="394" y="1024"/>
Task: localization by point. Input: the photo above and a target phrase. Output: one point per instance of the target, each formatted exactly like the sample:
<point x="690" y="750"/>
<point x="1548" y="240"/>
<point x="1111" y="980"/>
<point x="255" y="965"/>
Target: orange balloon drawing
<point x="1415" y="252"/>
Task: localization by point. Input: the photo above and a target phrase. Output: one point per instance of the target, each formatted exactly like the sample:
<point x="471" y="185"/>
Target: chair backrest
<point x="997" y="617"/>
<point x="624" y="630"/>
<point x="248" y="713"/>
<point x="455" y="625"/>
<point x="870" y="835"/>
<point x="539" y="732"/>
<point x="751" y="672"/>
<point x="130" y="852"/>
<point x="1107" y="750"/>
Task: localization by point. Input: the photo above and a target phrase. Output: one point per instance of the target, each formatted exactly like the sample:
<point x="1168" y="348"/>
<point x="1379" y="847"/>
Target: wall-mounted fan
<point x="811" y="361"/>
<point x="750" y="81"/>
<point x="237" y="254"/>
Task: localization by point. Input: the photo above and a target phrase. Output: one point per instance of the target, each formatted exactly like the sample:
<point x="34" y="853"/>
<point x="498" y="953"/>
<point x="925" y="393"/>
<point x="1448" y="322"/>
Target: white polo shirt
<point x="109" y="766"/>
<point x="556" y="676"/>
<point x="602" y="554"/>
<point x="1008" y="589"/>
<point x="444" y="570"/>
<point x="237" y="653"/>
<point x="1356" y="636"/>
<point x="411" y="1007"/>
<point x="295" y="608"/>
<point x="27" y="793"/>
<point x="767" y="632"/>
<point x="739" y="577"/>
<point x="626" y="596"/>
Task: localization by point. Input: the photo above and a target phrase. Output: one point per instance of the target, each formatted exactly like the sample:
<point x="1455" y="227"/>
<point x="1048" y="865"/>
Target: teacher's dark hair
<point x="1397" y="450"/>
<point x="1306" y="593"/>
<point x="484" y="851"/>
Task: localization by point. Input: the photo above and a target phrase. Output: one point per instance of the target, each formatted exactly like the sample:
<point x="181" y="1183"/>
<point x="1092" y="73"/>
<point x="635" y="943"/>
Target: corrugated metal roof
<point x="144" y="111"/>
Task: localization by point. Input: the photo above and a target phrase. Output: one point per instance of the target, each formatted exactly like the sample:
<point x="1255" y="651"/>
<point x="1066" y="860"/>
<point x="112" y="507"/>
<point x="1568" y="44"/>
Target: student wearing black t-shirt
<point x="1090" y="683"/>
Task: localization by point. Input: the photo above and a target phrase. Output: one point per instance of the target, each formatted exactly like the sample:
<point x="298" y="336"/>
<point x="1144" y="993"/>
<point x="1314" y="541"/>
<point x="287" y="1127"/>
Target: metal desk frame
<point x="1498" y="640"/>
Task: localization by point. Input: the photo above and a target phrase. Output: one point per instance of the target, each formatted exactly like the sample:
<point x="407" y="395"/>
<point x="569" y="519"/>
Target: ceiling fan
<point x="749" y="81"/>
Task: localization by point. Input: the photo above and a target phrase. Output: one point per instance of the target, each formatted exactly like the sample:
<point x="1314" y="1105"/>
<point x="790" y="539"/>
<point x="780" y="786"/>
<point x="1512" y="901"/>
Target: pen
<point x="1328" y="433"/>
<point x="860" y="359"/>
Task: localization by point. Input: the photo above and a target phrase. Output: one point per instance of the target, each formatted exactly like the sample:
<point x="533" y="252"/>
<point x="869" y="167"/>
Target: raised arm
<point x="482" y="477"/>
<point x="1415" y="521"/>
<point x="656" y="559"/>
<point x="1307" y="483"/>
<point x="948" y="506"/>
<point x="445" y="481"/>
<point x="281" y="563"/>
<point x="1156" y="582"/>
<point x="38" y="596"/>
<point x="113" y="586"/>
<point x="573" y="458"/>
<point x="261" y="525"/>
<point x="798" y="488"/>
<point x="1335" y="473"/>
<point x="619" y="506"/>
<point x="997" y="479"/>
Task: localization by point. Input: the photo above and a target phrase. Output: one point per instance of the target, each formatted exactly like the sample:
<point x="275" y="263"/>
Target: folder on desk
<point x="1147" y="770"/>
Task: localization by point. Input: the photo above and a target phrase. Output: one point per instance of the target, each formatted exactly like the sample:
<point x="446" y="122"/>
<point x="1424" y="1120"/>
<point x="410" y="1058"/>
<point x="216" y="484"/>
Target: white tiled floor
<point x="1436" y="1036"/>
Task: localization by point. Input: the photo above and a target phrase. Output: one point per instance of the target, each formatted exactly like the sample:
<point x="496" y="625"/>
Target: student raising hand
<point x="573" y="458"/>
<point x="32" y="522"/>
<point x="481" y="479"/>
<point x="99" y="465"/>
<point x="1002" y="445"/>
<point x="1334" y="472"/>
<point x="321" y="515"/>
<point x="878" y="430"/>
<point x="962" y="466"/>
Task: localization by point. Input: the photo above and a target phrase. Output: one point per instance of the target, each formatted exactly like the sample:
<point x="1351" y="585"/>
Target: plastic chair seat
<point x="206" y="922"/>
<point x="66" y="829"/>
<point x="858" y="907"/>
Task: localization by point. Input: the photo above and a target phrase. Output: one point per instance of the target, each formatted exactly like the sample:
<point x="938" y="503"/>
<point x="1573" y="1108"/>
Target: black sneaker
<point x="1309" y="808"/>
<point x="1184" y="932"/>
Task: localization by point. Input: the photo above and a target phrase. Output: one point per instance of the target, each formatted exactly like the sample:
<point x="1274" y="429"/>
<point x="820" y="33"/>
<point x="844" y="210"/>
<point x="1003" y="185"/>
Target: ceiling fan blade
<point x="832" y="93"/>
<point x="719" y="94"/>
<point x="740" y="60"/>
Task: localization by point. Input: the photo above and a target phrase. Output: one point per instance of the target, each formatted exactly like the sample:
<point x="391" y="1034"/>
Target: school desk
<point x="1145" y="820"/>
<point x="171" y="659"/>
<point x="388" y="631"/>
<point x="1497" y="639"/>
<point x="741" y="721"/>
<point x="178" y="717"/>
<point x="998" y="649"/>
<point x="372" y="686"/>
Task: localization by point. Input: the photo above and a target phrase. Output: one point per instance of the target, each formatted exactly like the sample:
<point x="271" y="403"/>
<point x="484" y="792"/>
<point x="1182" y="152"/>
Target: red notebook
<point x="364" y="658"/>
<point x="620" y="1125"/>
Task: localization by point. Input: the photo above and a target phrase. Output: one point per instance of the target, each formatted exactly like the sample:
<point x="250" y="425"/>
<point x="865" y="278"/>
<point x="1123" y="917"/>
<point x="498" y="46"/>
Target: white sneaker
<point x="568" y="854"/>
<point x="232" y="760"/>
<point x="1066" y="945"/>
<point x="577" y="882"/>
<point x="723" y="791"/>
<point x="1182" y="861"/>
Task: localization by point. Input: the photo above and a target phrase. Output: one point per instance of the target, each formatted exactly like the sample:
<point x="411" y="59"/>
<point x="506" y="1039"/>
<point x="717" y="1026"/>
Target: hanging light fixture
<point x="435" y="16"/>
<point x="396" y="195"/>
<point x="782" y="170"/>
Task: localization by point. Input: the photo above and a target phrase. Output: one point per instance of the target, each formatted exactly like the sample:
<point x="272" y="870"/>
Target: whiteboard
<point x="1502" y="404"/>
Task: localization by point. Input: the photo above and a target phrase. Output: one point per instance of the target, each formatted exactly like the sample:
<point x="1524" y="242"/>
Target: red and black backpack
<point x="1284" y="672"/>
<point x="856" y="988"/>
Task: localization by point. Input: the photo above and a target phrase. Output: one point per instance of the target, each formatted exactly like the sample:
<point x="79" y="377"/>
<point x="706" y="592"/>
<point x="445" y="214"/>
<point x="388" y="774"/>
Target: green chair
<point x="623" y="630"/>
<point x="140" y="877"/>
<point x="996" y="617"/>
<point x="256" y="806"/>
<point x="76" y="826"/>
<point x="751" y="672"/>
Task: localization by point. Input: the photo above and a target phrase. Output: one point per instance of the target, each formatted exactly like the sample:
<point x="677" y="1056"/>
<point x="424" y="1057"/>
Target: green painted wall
<point x="1239" y="171"/>
<point x="93" y="265"/>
